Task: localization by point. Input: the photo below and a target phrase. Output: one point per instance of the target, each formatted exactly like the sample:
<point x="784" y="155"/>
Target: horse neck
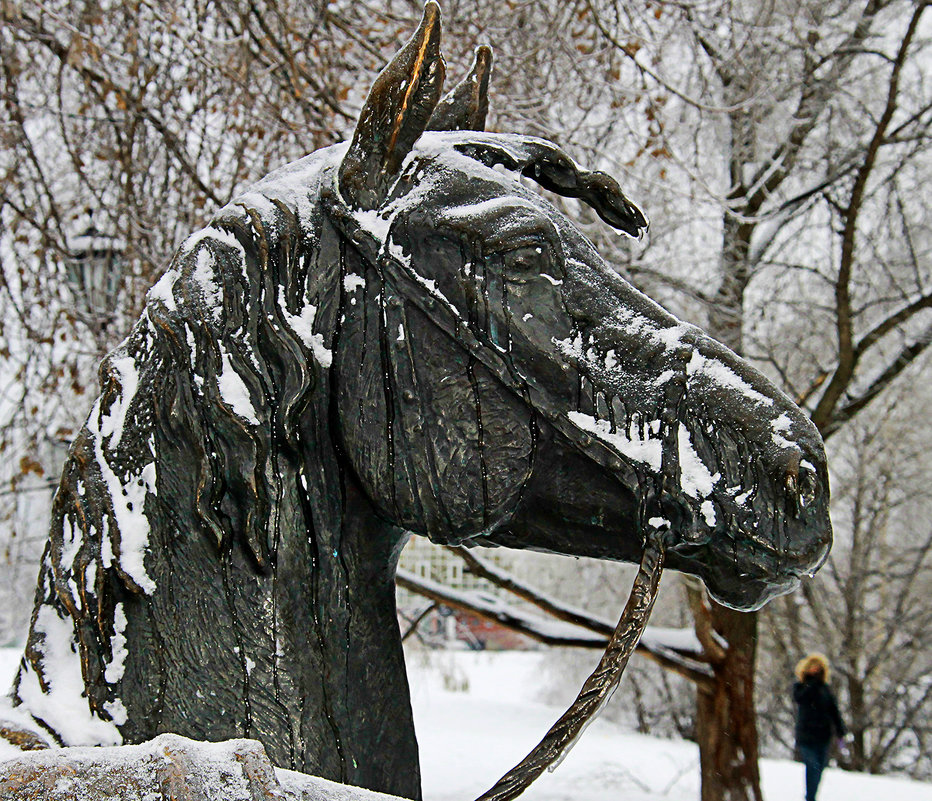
<point x="303" y="654"/>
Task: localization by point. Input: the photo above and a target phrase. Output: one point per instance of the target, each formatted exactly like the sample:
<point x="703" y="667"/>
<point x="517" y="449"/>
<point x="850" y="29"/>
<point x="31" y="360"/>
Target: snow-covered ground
<point x="469" y="738"/>
<point x="477" y="716"/>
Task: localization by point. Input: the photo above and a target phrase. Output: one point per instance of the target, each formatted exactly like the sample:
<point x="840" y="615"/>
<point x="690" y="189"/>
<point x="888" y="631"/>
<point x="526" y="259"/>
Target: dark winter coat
<point x="817" y="716"/>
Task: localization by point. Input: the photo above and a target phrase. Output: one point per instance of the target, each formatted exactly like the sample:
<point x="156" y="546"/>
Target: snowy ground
<point x="477" y="716"/>
<point x="469" y="738"/>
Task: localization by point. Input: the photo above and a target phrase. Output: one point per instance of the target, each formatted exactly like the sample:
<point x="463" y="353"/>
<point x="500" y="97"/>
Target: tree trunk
<point x="726" y="722"/>
<point x="857" y="715"/>
<point x="726" y="719"/>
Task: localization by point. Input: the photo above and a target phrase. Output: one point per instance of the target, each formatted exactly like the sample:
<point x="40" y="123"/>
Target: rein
<point x="602" y="682"/>
<point x="600" y="685"/>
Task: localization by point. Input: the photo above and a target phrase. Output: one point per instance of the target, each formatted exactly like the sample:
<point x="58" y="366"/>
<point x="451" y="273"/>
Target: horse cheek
<point x="366" y="410"/>
<point x="437" y="443"/>
<point x="473" y="444"/>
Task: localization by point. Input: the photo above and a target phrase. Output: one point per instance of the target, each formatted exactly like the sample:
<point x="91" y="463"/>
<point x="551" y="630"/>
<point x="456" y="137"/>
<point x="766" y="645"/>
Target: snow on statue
<point x="391" y="335"/>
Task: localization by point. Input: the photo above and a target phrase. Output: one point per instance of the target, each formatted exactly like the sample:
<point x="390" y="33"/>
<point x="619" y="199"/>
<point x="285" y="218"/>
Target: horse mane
<point x="240" y="356"/>
<point x="217" y="399"/>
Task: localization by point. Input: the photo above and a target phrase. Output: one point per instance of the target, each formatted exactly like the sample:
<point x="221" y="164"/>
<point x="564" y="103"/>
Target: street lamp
<point x="93" y="268"/>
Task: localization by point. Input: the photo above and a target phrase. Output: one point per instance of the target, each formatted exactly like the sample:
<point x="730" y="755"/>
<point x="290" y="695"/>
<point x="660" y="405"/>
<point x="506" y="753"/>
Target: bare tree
<point x="870" y="609"/>
<point x="804" y="118"/>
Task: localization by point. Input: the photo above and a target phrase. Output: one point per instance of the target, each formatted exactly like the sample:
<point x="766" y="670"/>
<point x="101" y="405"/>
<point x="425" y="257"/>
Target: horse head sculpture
<point x="388" y="336"/>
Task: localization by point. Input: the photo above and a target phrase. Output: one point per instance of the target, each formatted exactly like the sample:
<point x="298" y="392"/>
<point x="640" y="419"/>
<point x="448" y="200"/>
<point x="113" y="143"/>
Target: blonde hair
<point x="805" y="665"/>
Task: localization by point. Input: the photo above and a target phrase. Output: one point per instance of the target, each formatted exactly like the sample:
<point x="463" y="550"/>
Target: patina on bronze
<point x="396" y="335"/>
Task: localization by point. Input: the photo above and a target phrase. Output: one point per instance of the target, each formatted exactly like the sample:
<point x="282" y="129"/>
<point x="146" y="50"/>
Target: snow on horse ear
<point x="395" y="114"/>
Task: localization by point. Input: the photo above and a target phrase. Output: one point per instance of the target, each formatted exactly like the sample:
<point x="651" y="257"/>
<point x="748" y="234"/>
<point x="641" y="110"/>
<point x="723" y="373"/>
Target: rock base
<point x="170" y="766"/>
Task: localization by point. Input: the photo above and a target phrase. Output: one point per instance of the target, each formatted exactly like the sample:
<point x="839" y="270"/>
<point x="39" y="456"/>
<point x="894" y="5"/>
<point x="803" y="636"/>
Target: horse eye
<point x="524" y="258"/>
<point x="522" y="263"/>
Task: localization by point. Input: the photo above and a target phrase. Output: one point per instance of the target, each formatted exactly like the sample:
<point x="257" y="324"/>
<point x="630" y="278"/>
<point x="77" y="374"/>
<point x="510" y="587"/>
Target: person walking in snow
<point x="817" y="718"/>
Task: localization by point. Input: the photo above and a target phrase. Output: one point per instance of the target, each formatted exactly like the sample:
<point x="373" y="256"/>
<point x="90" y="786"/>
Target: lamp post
<point x="93" y="269"/>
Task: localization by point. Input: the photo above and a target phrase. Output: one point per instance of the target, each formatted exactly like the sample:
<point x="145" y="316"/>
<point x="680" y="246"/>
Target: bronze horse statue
<point x="388" y="336"/>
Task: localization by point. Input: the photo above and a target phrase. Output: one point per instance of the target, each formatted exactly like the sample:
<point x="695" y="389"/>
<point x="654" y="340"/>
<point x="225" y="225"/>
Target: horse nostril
<point x="791" y="486"/>
<point x="808" y="485"/>
<point x="801" y="485"/>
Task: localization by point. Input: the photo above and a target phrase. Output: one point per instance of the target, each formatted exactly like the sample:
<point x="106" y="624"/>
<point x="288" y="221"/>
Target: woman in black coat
<point x="818" y="721"/>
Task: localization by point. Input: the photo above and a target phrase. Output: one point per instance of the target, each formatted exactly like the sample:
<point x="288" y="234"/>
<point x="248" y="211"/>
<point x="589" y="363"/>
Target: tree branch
<point x="698" y="605"/>
<point x="905" y="357"/>
<point x="413" y="624"/>
<point x="502" y="613"/>
<point x="893" y="321"/>
<point x="814" y="98"/>
<point x="544" y="631"/>
<point x="847" y="358"/>
<point x="295" y="70"/>
<point x="46" y="38"/>
<point x="483" y="569"/>
<point x="655" y="76"/>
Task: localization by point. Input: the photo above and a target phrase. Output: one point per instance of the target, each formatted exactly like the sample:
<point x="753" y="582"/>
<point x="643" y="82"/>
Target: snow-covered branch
<point x="105" y="84"/>
<point x="819" y="87"/>
<point x="482" y="568"/>
<point x="674" y="649"/>
<point x="545" y="631"/>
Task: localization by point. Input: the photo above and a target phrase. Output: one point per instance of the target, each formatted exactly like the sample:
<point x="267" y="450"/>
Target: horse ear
<point x="464" y="108"/>
<point x="394" y="116"/>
